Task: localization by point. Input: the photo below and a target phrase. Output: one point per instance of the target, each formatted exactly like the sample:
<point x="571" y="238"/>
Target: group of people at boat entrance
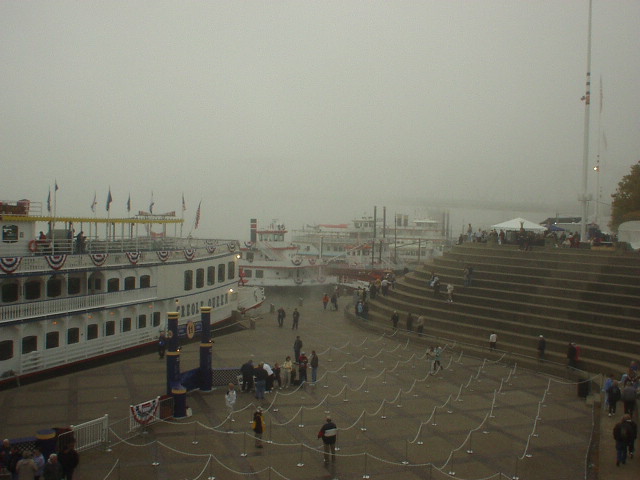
<point x="65" y="242"/>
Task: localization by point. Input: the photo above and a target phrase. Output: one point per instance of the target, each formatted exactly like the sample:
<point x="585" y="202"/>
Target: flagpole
<point x="584" y="198"/>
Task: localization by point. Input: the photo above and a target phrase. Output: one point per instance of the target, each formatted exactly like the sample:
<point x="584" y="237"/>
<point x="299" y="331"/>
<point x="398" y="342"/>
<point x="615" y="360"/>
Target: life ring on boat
<point x="296" y="261"/>
<point x="321" y="279"/>
<point x="298" y="280"/>
<point x="312" y="261"/>
<point x="33" y="246"/>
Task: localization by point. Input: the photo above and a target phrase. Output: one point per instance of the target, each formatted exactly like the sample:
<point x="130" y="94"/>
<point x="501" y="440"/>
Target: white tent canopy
<point x="518" y="222"/>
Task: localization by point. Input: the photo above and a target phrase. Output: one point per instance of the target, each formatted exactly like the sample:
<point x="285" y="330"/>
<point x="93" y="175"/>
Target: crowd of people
<point x="624" y="389"/>
<point x="31" y="464"/>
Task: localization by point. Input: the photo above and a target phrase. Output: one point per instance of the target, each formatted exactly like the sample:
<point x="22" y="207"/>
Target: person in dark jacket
<point x="247" y="376"/>
<point x="625" y="433"/>
<point x="328" y="433"/>
<point x="69" y="459"/>
<point x="613" y="397"/>
<point x="52" y="469"/>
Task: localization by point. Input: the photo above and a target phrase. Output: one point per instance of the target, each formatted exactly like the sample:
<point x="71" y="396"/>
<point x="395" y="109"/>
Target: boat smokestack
<point x="253" y="232"/>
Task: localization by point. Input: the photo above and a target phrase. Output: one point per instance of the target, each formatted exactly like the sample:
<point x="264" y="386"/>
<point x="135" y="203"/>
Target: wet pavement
<point x="474" y="419"/>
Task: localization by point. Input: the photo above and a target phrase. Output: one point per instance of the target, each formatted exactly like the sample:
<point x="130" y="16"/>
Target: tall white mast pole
<point x="584" y="197"/>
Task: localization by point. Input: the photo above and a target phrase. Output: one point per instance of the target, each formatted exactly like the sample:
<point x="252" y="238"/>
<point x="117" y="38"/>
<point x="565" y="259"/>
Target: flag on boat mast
<point x="129" y="203"/>
<point x="198" y="215"/>
<point x="151" y="204"/>
<point x="184" y="205"/>
<point x="49" y="201"/>
<point x="94" y="203"/>
<point x="55" y="188"/>
<point x="109" y="200"/>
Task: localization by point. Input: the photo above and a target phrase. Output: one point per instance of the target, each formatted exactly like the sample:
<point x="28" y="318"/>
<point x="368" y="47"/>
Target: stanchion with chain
<point x="384" y="404"/>
<point x="433" y="420"/>
<point x="155" y="462"/>
<point x="399" y="404"/>
<point x="326" y="405"/>
<point x="211" y="476"/>
<point x="344" y="371"/>
<point x="300" y="462"/>
<point x="195" y="434"/>
<point x="365" y="474"/>
<point x="470" y="447"/>
<point x="406" y="453"/>
<point x="515" y="474"/>
<point x="363" y="428"/>
<point x="300" y="424"/>
<point x="366" y="385"/>
<point x="244" y="444"/>
<point x="345" y="399"/>
<point x="451" y="471"/>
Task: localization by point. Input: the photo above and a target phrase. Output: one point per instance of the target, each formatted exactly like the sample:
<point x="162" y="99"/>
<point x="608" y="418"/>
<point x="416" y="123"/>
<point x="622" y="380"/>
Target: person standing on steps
<point x="493" y="340"/>
<point x="542" y="346"/>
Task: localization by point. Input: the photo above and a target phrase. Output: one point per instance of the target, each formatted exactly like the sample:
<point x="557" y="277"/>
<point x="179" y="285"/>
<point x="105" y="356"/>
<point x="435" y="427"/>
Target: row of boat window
<point x="52" y="339"/>
<point x="55" y="285"/>
<point x="229" y="272"/>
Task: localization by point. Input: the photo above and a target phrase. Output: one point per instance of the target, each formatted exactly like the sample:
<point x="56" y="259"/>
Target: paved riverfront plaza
<point x="474" y="419"/>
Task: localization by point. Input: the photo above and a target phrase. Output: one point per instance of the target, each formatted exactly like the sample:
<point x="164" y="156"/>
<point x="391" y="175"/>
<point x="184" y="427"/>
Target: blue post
<point x="173" y="353"/>
<point x="206" y="344"/>
<point x="179" y="401"/>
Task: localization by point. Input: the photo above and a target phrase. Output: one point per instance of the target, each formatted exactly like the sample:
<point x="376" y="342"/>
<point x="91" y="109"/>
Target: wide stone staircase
<point x="589" y="297"/>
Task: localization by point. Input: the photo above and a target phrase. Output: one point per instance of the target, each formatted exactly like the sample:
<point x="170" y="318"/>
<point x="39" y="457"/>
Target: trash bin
<point x="584" y="388"/>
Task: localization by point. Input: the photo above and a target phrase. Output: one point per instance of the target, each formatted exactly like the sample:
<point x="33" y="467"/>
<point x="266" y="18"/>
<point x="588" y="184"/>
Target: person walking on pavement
<point x="297" y="348"/>
<point x="230" y="399"/>
<point x="328" y="434"/>
<point x="296" y="319"/>
<point x="314" y="366"/>
<point x="281" y="316"/>
<point x="624" y="433"/>
<point x="258" y="426"/>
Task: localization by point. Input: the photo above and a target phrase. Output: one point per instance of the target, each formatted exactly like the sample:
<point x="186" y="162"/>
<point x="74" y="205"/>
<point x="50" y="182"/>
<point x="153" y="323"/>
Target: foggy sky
<point x="313" y="112"/>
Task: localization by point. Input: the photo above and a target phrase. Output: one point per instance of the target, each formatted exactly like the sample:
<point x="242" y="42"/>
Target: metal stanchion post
<point x="244" y="444"/>
<point x="406" y="453"/>
<point x="300" y="424"/>
<point x="301" y="463"/>
<point x="365" y="474"/>
<point x="195" y="434"/>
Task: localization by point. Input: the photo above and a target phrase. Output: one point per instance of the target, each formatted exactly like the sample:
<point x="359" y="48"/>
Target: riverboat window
<point x="259" y="273"/>
<point x="9" y="233"/>
<point x="54" y="286"/>
<point x="248" y="273"/>
<point x="6" y="350"/>
<point x="94" y="284"/>
<point x="211" y="275"/>
<point x="52" y="340"/>
<point x="188" y="279"/>
<point x="126" y="324"/>
<point x="231" y="270"/>
<point x="130" y="283"/>
<point x="9" y="292"/>
<point x="155" y="319"/>
<point x="109" y="328"/>
<point x="200" y="278"/>
<point x="73" y="335"/>
<point x="32" y="290"/>
<point x="74" y="286"/>
<point x="113" y="285"/>
<point x="142" y="321"/>
<point x="221" y="272"/>
<point x="29" y="344"/>
<point x="145" y="281"/>
<point x="92" y="331"/>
